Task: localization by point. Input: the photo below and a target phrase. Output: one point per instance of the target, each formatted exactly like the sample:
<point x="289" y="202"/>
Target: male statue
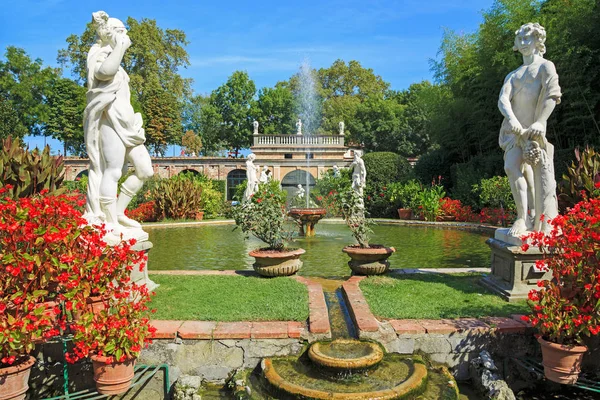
<point x="527" y="99"/>
<point x="299" y="127"/>
<point x="255" y="126"/>
<point x="341" y="128"/>
<point x="114" y="135"/>
<point x="359" y="173"/>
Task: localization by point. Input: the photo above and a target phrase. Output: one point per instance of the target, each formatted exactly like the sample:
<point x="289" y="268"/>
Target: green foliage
<point x="212" y="198"/>
<point x="328" y="186"/>
<point x="404" y="194"/>
<point x="429" y="201"/>
<point x="66" y="102"/>
<point x="383" y="168"/>
<point x="264" y="216"/>
<point x="191" y="143"/>
<point x="352" y="209"/>
<point x="581" y="177"/>
<point x="152" y="63"/>
<point x="435" y="165"/>
<point x="274" y="110"/>
<point x="29" y="172"/>
<point x="24" y="83"/>
<point x="178" y="197"/>
<point x="78" y="185"/>
<point x="230" y="115"/>
<point x="495" y="192"/>
<point x="465" y="175"/>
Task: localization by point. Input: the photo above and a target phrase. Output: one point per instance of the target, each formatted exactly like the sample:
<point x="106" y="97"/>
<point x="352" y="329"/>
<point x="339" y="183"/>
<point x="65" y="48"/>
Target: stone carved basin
<point x="345" y="354"/>
<point x="307" y="219"/>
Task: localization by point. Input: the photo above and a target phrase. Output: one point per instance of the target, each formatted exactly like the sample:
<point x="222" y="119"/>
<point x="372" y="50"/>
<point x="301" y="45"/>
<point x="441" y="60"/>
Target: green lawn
<point x="229" y="298"/>
<point x="434" y="296"/>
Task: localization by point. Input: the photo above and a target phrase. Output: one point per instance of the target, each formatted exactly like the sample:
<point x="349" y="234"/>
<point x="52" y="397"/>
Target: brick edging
<point x="365" y="321"/>
<point x="318" y="320"/>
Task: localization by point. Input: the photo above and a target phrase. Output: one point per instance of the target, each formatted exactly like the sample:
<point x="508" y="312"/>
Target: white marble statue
<point x="265" y="175"/>
<point x="359" y="173"/>
<point x="255" y="125"/>
<point x="299" y="127"/>
<point x="300" y="192"/>
<point x="341" y="127"/>
<point x="527" y="99"/>
<point x="251" y="177"/>
<point x="336" y="171"/>
<point x="114" y="135"/>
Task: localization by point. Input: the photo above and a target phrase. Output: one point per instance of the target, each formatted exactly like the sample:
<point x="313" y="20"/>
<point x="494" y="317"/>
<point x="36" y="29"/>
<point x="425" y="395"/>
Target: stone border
<point x="365" y="321"/>
<point x="318" y="321"/>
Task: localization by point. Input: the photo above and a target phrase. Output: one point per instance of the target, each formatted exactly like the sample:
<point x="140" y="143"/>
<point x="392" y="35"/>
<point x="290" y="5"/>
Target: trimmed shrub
<point x="383" y="168"/>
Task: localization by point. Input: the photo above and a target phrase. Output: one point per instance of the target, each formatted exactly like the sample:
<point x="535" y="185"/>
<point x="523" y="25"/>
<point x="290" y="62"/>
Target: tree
<point x="192" y="143"/>
<point x="274" y="110"/>
<point x="66" y="103"/>
<point x="152" y="62"/>
<point x="9" y="120"/>
<point x="24" y="83"/>
<point x="233" y="102"/>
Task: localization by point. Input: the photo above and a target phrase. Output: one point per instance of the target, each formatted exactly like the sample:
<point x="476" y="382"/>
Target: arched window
<point x="297" y="177"/>
<point x="234" y="178"/>
<point x="190" y="171"/>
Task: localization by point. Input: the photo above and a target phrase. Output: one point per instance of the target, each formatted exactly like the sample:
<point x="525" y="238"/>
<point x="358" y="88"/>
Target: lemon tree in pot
<point x="263" y="215"/>
<point x="566" y="309"/>
<point x="366" y="258"/>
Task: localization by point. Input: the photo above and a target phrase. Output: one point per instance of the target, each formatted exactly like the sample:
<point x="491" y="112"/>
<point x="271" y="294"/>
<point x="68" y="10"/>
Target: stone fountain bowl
<point x="307" y="211"/>
<point x="345" y="354"/>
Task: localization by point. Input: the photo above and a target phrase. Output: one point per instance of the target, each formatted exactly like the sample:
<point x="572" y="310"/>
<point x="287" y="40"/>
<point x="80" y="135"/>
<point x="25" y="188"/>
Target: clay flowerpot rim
<point x="15" y="368"/>
<point x="264" y="253"/>
<point x="102" y="359"/>
<point x="373" y="249"/>
<point x="571" y="348"/>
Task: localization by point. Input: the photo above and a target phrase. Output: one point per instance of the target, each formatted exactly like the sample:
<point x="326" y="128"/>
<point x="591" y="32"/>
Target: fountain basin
<point x="345" y="354"/>
<point x="394" y="378"/>
<point x="307" y="219"/>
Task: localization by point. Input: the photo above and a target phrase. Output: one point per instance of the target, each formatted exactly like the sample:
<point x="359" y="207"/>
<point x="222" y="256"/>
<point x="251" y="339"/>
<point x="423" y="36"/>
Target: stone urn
<point x="369" y="261"/>
<point x="277" y="263"/>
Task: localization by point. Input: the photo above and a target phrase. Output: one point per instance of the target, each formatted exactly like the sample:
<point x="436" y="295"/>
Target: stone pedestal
<point x="141" y="277"/>
<point x="514" y="272"/>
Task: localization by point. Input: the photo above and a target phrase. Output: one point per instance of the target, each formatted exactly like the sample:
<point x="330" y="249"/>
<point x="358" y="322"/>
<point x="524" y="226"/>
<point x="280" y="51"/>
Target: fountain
<point x="309" y="112"/>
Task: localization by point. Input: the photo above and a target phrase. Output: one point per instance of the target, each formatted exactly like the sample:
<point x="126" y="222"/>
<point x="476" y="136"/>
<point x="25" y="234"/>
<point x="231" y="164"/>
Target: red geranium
<point x="567" y="308"/>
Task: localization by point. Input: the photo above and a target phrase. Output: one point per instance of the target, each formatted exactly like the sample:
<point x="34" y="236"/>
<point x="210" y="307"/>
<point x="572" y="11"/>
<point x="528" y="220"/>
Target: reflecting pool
<point x="216" y="247"/>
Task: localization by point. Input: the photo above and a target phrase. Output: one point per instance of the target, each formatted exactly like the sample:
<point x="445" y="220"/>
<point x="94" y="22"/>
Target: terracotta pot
<point x="95" y="304"/>
<point x="369" y="261"/>
<point x="199" y="215"/>
<point x="112" y="378"/>
<point x="446" y="218"/>
<point x="277" y="263"/>
<point x="562" y="364"/>
<point x="13" y="380"/>
<point x="404" y="213"/>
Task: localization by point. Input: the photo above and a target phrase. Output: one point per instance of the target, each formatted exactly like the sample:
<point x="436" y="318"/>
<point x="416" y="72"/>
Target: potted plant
<point x="33" y="230"/>
<point x="264" y="216"/>
<point x="112" y="335"/>
<point x="566" y="309"/>
<point x="404" y="196"/>
<point x="366" y="258"/>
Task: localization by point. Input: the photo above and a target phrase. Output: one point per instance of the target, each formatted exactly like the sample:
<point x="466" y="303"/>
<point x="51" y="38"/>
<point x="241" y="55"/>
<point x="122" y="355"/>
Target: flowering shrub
<point x="48" y="254"/>
<point x="352" y="208"/>
<point x="496" y="216"/>
<point x="429" y="201"/>
<point x="567" y="308"/>
<point x="145" y="212"/>
<point x="264" y="216"/>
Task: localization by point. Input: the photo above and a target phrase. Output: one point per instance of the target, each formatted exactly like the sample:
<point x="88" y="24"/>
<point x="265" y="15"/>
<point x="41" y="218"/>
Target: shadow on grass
<point x="434" y="296"/>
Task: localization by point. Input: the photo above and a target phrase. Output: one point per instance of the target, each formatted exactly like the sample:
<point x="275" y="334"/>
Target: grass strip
<point x="229" y="298"/>
<point x="434" y="296"/>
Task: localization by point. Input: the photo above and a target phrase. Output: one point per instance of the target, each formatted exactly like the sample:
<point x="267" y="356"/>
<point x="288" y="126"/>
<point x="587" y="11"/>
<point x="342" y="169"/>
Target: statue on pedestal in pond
<point x="251" y="177"/>
<point x="300" y="192"/>
<point x="114" y="135"/>
<point x="527" y="99"/>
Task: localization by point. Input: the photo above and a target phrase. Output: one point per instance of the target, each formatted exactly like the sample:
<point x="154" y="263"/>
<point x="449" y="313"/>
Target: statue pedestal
<point x="141" y="277"/>
<point x="514" y="272"/>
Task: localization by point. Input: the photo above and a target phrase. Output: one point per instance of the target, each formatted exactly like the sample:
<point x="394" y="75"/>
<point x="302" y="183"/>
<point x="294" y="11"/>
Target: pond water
<point x="220" y="247"/>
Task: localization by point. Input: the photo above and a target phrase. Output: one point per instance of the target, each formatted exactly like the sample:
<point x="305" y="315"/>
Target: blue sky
<point x="268" y="39"/>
